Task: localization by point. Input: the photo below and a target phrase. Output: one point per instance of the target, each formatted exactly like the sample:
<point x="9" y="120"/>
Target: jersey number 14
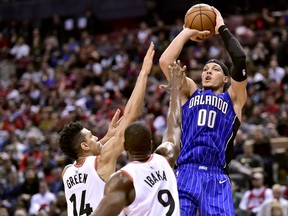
<point x="85" y="208"/>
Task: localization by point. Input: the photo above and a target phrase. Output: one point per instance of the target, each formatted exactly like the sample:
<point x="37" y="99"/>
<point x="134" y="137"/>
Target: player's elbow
<point x="164" y="63"/>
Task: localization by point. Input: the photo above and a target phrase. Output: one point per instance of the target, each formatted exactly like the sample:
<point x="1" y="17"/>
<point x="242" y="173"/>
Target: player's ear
<point x="226" y="79"/>
<point x="84" y="146"/>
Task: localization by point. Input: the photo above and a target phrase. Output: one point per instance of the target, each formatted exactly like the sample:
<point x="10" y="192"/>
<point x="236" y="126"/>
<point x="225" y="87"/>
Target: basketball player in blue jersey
<point x="211" y="118"/>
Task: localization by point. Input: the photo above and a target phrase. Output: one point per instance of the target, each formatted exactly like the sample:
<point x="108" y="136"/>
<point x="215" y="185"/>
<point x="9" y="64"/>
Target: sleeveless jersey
<point x="84" y="189"/>
<point x="155" y="188"/>
<point x="209" y="127"/>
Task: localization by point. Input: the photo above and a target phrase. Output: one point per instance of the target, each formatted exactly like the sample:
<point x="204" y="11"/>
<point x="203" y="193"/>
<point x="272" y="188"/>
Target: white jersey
<point x="155" y="188"/>
<point x="84" y="189"/>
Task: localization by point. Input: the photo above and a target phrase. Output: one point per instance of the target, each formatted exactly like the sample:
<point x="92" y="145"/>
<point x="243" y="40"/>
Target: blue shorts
<point x="206" y="188"/>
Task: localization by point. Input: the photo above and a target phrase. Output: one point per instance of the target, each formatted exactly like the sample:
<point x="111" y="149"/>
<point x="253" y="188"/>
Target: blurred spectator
<point x="15" y="147"/>
<point x="4" y="211"/>
<point x="276" y="209"/>
<point x="275" y="71"/>
<point x="61" y="201"/>
<point x="249" y="159"/>
<point x="144" y="33"/>
<point x="30" y="187"/>
<point x="256" y="117"/>
<point x="11" y="191"/>
<point x="267" y="205"/>
<point x="33" y="155"/>
<point x="20" y="49"/>
<point x="42" y="199"/>
<point x="239" y="140"/>
<point x="89" y="22"/>
<point x="260" y="54"/>
<point x="20" y="212"/>
<point x="7" y="69"/>
<point x="56" y="182"/>
<point x="252" y="199"/>
<point x="262" y="147"/>
<point x="268" y="19"/>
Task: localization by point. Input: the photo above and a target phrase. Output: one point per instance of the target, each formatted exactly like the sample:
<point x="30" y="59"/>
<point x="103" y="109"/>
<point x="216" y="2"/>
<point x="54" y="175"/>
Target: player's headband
<point x="221" y="64"/>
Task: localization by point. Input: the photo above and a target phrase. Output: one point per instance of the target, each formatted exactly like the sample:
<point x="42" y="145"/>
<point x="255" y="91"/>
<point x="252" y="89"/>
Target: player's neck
<point x="80" y="160"/>
<point x="140" y="158"/>
<point x="215" y="91"/>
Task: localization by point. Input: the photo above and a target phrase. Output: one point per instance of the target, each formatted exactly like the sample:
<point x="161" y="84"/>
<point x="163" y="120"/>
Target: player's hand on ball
<point x="196" y="35"/>
<point x="219" y="20"/>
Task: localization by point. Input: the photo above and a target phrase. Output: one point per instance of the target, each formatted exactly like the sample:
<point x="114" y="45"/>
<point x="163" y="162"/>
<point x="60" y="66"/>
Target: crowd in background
<point x="64" y="71"/>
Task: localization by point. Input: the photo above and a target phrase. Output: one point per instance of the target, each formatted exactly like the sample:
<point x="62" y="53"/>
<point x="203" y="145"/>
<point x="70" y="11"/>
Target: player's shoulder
<point x="66" y="168"/>
<point x="120" y="177"/>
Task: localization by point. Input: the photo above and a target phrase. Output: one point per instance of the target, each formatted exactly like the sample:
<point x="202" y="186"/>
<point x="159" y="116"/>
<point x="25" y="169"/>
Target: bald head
<point x="137" y="138"/>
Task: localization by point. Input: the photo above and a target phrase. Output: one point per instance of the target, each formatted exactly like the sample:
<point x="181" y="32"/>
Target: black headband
<point x="221" y="64"/>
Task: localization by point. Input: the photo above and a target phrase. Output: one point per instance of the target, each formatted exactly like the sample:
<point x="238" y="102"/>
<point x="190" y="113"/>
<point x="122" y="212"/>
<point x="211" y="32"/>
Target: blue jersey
<point x="209" y="127"/>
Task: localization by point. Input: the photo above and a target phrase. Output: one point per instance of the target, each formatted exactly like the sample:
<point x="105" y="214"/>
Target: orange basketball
<point x="201" y="17"/>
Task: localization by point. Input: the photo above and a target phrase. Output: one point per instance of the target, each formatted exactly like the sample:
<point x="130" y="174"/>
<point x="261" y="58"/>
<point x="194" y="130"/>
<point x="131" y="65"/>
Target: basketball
<point x="201" y="17"/>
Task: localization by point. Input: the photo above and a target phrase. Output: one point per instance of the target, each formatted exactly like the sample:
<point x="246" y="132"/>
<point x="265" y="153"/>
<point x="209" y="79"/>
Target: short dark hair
<point x="70" y="139"/>
<point x="138" y="137"/>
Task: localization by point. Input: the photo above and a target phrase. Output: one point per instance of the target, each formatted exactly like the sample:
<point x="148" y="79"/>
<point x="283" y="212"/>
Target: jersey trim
<point x="128" y="175"/>
<point x="79" y="165"/>
<point x="69" y="165"/>
<point x="230" y="145"/>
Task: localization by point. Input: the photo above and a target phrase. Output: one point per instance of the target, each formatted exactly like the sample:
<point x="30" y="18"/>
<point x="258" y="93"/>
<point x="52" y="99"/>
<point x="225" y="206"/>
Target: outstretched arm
<point x="170" y="146"/>
<point x="237" y="90"/>
<point x="132" y="112"/>
<point x="172" y="53"/>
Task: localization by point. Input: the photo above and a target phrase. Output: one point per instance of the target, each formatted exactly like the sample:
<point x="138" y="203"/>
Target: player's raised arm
<point x="132" y="112"/>
<point x="172" y="52"/>
<point x="237" y="90"/>
<point x="170" y="146"/>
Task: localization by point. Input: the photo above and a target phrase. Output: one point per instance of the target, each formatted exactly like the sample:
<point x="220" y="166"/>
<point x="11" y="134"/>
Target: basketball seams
<point x="201" y="17"/>
<point x="209" y="18"/>
<point x="192" y="21"/>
